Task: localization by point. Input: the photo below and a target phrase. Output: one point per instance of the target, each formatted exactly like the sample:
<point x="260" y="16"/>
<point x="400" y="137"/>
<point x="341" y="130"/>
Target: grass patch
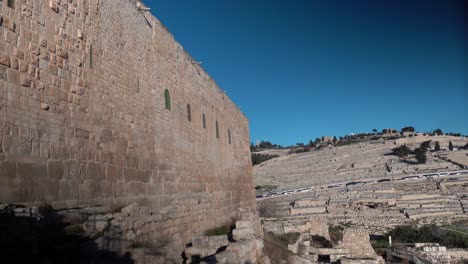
<point x="218" y="231"/>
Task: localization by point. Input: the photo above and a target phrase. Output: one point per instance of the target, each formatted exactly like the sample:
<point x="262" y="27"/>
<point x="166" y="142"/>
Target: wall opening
<point x="11" y="3"/>
<point x="229" y="136"/>
<point x="189" y="113"/>
<point x="167" y="99"/>
<point x="91" y="56"/>
<point x="204" y="120"/>
<point x="217" y="129"/>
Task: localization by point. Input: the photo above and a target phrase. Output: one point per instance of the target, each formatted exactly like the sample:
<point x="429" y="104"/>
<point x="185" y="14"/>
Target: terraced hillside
<point x="370" y="160"/>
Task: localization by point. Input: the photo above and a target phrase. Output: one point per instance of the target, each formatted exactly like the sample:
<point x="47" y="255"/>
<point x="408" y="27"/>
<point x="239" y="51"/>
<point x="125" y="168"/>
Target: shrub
<point x="425" y="145"/>
<point x="259" y="158"/>
<point x="408" y="129"/>
<point x="336" y="233"/>
<point x="450" y="146"/>
<point x="429" y="234"/>
<point x="438" y="132"/>
<point x="218" y="231"/>
<point x="401" y="151"/>
<point x="420" y="155"/>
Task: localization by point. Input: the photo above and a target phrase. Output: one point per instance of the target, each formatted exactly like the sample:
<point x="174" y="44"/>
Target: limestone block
<point x="94" y="171"/>
<point x="7" y="170"/>
<point x="245" y="249"/>
<point x="244" y="224"/>
<point x="13" y="76"/>
<point x="55" y="169"/>
<point x="5" y="59"/>
<point x="10" y="191"/>
<point x="228" y="257"/>
<point x="210" y="241"/>
<point x="242" y="234"/>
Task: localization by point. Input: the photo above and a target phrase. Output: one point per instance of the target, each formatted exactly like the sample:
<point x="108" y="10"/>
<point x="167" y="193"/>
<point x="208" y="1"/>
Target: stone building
<point x="99" y="105"/>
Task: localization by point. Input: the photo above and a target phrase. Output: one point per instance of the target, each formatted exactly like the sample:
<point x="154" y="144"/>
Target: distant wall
<point x="83" y="119"/>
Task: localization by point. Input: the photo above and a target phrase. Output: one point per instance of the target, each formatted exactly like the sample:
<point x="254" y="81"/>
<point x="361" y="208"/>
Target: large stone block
<point x="242" y="234"/>
<point x="71" y="170"/>
<point x="55" y="170"/>
<point x="10" y="191"/>
<point x="94" y="171"/>
<point x="7" y="170"/>
<point x="90" y="189"/>
<point x="13" y="76"/>
<point x="134" y="188"/>
<point x="131" y="174"/>
<point x="113" y="173"/>
<point x="32" y="171"/>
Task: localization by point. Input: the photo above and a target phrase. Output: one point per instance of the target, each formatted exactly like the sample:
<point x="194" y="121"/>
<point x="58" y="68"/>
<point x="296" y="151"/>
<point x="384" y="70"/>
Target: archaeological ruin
<point x="101" y="107"/>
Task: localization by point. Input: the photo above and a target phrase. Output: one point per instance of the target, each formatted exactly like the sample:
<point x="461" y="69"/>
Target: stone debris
<point x="314" y="243"/>
<point x="246" y="247"/>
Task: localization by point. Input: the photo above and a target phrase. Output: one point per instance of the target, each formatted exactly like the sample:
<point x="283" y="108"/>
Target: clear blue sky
<point x="300" y="69"/>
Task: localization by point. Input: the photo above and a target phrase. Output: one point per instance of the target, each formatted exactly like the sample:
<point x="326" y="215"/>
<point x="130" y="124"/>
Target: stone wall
<point x="84" y="122"/>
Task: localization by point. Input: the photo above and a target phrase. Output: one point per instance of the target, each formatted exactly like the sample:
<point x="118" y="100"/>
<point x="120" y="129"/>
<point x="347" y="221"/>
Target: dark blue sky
<point x="300" y="69"/>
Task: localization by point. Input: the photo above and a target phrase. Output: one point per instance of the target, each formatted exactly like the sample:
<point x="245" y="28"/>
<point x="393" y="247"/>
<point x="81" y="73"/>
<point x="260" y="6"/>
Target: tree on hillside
<point x="466" y="146"/>
<point x="401" y="151"/>
<point x="425" y="145"/>
<point x="267" y="145"/>
<point x="438" y="132"/>
<point x="252" y="147"/>
<point x="375" y="130"/>
<point x="450" y="146"/>
<point x="384" y="131"/>
<point x="408" y="129"/>
<point x="420" y="155"/>
<point x="311" y="143"/>
<point x="317" y="141"/>
<point x="437" y="146"/>
<point x="335" y="140"/>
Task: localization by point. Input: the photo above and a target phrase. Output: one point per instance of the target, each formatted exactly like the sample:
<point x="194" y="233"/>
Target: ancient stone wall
<point x="84" y="118"/>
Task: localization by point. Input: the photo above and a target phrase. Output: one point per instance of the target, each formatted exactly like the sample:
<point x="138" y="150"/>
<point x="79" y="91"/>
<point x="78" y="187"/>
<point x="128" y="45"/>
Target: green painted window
<point x="167" y="99"/>
<point x="189" y="113"/>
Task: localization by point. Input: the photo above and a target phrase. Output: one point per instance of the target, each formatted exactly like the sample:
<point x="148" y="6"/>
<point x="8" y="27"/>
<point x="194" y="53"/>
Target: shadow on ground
<point x="47" y="239"/>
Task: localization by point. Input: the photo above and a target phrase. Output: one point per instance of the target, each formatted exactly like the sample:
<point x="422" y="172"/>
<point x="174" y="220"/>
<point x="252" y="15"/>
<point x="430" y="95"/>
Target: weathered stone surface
<point x="242" y="234"/>
<point x="95" y="223"/>
<point x="4" y="59"/>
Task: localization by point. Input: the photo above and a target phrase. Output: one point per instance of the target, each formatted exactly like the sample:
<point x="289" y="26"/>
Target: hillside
<point x="369" y="160"/>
